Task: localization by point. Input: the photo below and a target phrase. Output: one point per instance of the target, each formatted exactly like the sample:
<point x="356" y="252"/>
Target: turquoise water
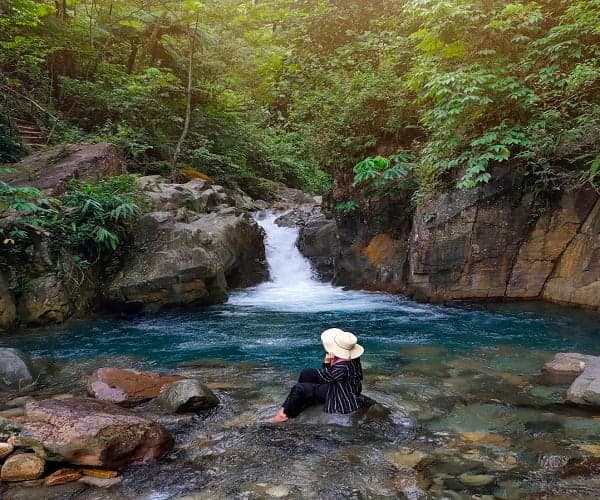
<point x="291" y="339"/>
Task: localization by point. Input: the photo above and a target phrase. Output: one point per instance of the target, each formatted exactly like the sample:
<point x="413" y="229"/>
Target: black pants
<point x="309" y="391"/>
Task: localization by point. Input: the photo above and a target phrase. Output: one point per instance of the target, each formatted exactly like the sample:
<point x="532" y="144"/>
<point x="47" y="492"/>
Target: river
<point x="467" y="378"/>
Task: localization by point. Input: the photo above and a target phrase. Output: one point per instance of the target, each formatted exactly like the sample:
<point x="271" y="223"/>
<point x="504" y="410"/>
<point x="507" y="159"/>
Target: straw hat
<point x="342" y="344"/>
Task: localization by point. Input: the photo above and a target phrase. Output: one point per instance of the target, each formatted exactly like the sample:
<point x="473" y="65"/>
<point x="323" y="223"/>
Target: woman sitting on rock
<point x="338" y="383"/>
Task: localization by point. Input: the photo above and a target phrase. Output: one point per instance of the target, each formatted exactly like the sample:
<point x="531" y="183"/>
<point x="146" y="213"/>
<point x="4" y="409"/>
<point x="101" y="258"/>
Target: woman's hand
<point x="329" y="357"/>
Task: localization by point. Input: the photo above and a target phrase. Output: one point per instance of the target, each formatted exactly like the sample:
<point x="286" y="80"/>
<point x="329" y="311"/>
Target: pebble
<point x="485" y="438"/>
<point x="100" y="473"/>
<point x="22" y="467"/>
<point x="592" y="449"/>
<point x="62" y="476"/>
<point x="476" y="479"/>
<point x="277" y="491"/>
<point x="410" y="459"/>
<point x="5" y="449"/>
<point x="100" y="482"/>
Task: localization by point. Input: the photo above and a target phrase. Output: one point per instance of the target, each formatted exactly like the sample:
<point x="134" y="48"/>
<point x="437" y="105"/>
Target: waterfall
<point x="292" y="286"/>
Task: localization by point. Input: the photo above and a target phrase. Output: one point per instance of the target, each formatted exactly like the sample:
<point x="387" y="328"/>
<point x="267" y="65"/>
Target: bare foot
<point x="280" y="417"/>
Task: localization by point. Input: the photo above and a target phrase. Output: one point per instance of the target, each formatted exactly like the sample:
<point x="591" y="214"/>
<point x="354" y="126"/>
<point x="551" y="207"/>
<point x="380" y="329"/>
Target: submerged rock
<point x="187" y="395"/>
<point x="22" y="467"/>
<point x="15" y="369"/>
<point x="127" y="387"/>
<point x="84" y="431"/>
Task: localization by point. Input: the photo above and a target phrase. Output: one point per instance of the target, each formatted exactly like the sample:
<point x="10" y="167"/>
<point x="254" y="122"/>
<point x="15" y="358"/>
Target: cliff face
<point x="482" y="244"/>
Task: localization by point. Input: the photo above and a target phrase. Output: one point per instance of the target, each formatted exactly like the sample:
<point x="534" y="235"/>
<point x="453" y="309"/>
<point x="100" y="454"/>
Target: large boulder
<point x="15" y="369"/>
<point x="51" y="169"/>
<point x="585" y="390"/>
<point x="44" y="300"/>
<point x="318" y="242"/>
<point x="187" y="395"/>
<point x="127" y="387"/>
<point x="177" y="261"/>
<point x="84" y="431"/>
<point x="8" y="309"/>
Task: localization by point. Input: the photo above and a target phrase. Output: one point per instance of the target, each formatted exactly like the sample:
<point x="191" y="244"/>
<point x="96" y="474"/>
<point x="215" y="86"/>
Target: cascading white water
<point x="292" y="285"/>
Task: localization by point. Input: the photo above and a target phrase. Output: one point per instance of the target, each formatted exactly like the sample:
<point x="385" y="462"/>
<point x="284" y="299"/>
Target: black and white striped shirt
<point x="345" y="385"/>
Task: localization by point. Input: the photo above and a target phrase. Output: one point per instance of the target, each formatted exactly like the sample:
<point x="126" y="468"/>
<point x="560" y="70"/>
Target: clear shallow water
<point x="466" y="379"/>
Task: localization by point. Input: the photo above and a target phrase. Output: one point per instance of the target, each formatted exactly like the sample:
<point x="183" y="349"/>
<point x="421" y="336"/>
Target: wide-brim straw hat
<point x="343" y="344"/>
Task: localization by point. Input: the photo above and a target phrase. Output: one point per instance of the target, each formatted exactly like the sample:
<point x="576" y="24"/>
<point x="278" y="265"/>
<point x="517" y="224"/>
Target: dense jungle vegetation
<point x="427" y="94"/>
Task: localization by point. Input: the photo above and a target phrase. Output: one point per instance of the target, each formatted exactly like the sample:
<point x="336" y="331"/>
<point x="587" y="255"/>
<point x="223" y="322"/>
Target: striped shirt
<point x="345" y="385"/>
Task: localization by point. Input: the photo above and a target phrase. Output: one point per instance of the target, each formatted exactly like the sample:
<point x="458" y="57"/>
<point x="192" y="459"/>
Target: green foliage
<point x="347" y="206"/>
<point x="90" y="220"/>
<point x="302" y="91"/>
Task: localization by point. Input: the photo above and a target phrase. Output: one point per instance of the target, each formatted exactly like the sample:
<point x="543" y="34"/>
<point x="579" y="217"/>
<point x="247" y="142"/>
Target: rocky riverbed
<point x="488" y="425"/>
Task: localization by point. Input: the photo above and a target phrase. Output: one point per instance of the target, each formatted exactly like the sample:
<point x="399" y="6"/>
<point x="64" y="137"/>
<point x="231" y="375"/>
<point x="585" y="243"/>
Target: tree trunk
<point x="188" y="108"/>
<point x="132" y="56"/>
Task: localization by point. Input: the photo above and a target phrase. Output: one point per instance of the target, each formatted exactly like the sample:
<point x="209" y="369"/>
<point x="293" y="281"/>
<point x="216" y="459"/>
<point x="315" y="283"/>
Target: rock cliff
<point x="489" y="243"/>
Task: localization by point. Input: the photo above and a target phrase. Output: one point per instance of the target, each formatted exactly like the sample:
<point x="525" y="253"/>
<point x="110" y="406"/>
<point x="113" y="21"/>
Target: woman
<point x="338" y="383"/>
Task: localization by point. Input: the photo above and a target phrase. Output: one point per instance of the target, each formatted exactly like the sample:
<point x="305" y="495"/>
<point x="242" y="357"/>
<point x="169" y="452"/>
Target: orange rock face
<point x="127" y="387"/>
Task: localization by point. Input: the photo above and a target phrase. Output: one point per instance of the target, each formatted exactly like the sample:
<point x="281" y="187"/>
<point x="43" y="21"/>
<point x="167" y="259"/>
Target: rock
<point x="592" y="449"/>
<point x="187" y="395"/>
<point x="569" y="364"/>
<point x="178" y="263"/>
<point x="318" y="242"/>
<point x="486" y="438"/>
<point x="406" y="458"/>
<point x="197" y="195"/>
<point x="100" y="473"/>
<point x="8" y="309"/>
<point x="576" y="276"/>
<point x="22" y="467"/>
<point x="51" y="169"/>
<point x="127" y="387"/>
<point x="585" y="390"/>
<point x="62" y="476"/>
<point x="84" y="431"/>
<point x="476" y="480"/>
<point x="45" y="300"/>
<point x="293" y="196"/>
<point x="100" y="482"/>
<point x="5" y="450"/>
<point x="15" y="369"/>
<point x="277" y="491"/>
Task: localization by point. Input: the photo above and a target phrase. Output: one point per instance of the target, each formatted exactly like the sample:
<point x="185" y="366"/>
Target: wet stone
<point x="476" y="480"/>
<point x="5" y="449"/>
<point x="22" y="467"/>
<point x="62" y="476"/>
